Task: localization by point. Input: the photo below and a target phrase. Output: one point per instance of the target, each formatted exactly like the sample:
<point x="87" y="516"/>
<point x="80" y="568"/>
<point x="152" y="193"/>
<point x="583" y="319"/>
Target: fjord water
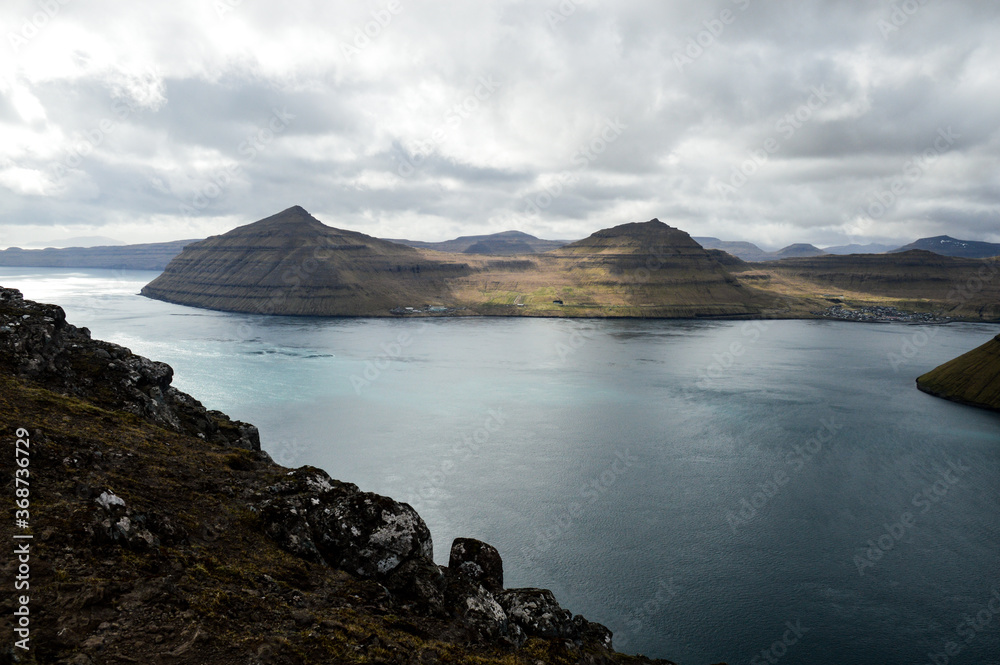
<point x="708" y="490"/>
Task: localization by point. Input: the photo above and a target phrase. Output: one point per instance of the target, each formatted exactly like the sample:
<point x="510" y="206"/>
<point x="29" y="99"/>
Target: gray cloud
<point x="456" y="118"/>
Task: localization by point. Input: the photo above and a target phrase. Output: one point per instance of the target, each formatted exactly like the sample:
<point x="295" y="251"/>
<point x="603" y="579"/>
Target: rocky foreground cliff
<point x="162" y="533"/>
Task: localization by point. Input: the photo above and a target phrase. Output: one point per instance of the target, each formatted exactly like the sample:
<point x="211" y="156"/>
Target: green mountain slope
<point x="972" y="378"/>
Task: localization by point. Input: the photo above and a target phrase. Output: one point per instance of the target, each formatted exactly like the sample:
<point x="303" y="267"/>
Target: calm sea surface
<point x="708" y="490"/>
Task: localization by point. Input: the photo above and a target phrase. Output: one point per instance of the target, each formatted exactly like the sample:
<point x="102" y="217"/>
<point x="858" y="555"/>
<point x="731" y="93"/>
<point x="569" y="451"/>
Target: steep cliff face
<point x="291" y="263"/>
<point x="161" y="532"/>
<point x="972" y="378"/>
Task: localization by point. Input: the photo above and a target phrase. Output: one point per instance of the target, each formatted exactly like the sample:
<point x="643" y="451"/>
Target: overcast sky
<point x="773" y="122"/>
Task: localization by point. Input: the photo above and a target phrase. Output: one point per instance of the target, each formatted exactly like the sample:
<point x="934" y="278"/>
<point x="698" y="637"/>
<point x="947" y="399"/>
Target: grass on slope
<point x="972" y="378"/>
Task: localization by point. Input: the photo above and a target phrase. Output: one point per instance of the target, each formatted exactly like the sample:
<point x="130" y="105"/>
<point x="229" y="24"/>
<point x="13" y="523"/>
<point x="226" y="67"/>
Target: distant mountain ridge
<point x="76" y="241"/>
<point x="948" y="246"/>
<point x="502" y="243"/>
<point x="854" y="248"/>
<point x="151" y="256"/>
<point x="754" y="254"/>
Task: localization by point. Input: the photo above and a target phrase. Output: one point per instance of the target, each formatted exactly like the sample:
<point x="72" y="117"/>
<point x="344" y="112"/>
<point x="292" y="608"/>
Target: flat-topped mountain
<point x="503" y="243"/>
<point x="972" y="378"/>
<point x="291" y="263"/>
<point x="948" y="246"/>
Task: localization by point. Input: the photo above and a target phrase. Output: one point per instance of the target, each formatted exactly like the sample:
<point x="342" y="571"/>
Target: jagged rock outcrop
<point x="538" y="614"/>
<point x="972" y="378"/>
<point x="37" y="343"/>
<point x="291" y="263"/>
<point x="335" y="523"/>
<point x="477" y="561"/>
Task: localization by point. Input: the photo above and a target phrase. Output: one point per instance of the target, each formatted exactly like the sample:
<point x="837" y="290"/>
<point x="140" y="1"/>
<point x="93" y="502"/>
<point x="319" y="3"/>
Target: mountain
<point x="854" y="248"/>
<point x="291" y="263"/>
<point x="77" y="241"/>
<point x="161" y="532"/>
<point x="646" y="269"/>
<point x="948" y="246"/>
<point x="798" y="250"/>
<point x="972" y="378"/>
<point x="743" y="250"/>
<point x="748" y="251"/>
<point x="151" y="256"/>
<point x="915" y="280"/>
<point x="500" y="247"/>
<point x="503" y="243"/>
